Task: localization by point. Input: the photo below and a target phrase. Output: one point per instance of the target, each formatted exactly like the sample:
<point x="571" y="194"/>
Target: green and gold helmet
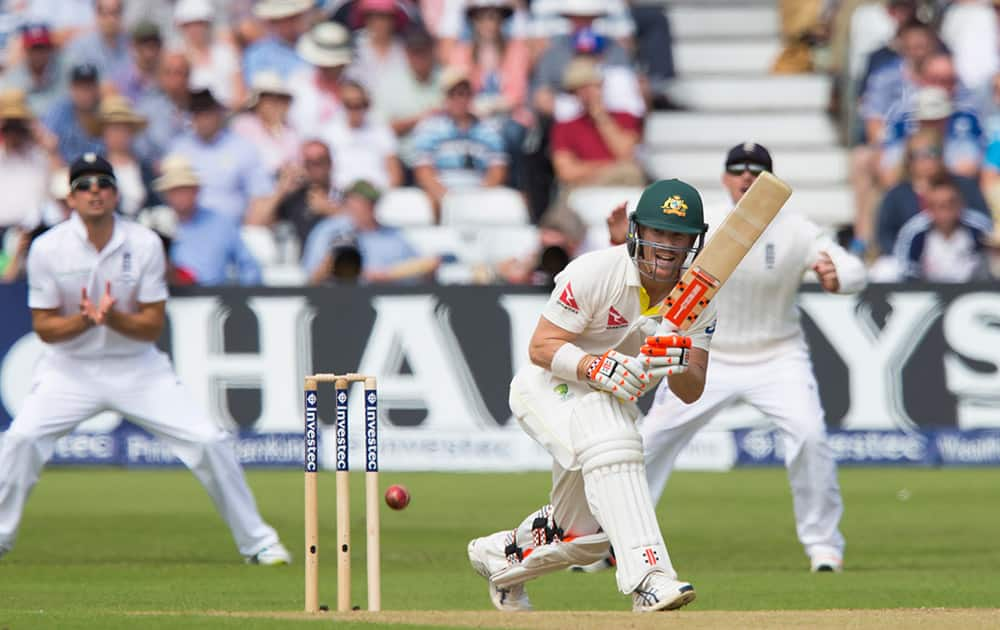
<point x="670" y="205"/>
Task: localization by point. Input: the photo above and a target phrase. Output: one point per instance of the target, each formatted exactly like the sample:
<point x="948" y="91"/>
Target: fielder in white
<point x="759" y="356"/>
<point x="577" y="399"/>
<point x="100" y="356"/>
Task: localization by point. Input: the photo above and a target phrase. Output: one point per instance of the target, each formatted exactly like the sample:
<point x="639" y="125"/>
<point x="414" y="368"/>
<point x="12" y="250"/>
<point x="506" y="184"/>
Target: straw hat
<point x="14" y="105"/>
<point x="278" y="9"/>
<point x="453" y="76"/>
<point x="580" y="72"/>
<point x="177" y="172"/>
<point x="326" y="45"/>
<point x="266" y="82"/>
<point x="116" y="109"/>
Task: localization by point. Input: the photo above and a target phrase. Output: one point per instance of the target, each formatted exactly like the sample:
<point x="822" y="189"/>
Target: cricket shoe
<point x="510" y="599"/>
<point x="659" y="592"/>
<point x="826" y="563"/>
<point x="270" y="556"/>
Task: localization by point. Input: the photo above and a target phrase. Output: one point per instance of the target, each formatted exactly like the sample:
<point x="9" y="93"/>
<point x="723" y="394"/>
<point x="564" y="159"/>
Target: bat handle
<point x="665" y="328"/>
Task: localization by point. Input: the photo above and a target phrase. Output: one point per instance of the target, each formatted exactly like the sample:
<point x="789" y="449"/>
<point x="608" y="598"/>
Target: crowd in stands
<point x="263" y="134"/>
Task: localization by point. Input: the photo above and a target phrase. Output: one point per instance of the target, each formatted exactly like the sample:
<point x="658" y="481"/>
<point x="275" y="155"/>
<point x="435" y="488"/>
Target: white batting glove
<point x="624" y="377"/>
<point x="665" y="355"/>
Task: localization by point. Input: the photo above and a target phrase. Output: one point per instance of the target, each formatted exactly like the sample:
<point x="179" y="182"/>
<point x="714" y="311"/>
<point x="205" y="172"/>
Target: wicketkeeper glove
<point x="624" y="377"/>
<point x="665" y="355"/>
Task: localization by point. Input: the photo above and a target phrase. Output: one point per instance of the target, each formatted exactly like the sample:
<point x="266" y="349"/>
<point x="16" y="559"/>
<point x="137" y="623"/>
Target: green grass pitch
<point x="98" y="546"/>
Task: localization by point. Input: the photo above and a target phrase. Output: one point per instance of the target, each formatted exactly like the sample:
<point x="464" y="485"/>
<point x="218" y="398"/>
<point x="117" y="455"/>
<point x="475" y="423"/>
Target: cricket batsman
<point x="760" y="357"/>
<point x="593" y="354"/>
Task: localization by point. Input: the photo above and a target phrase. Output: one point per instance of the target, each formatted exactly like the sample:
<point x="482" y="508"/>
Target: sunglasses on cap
<point x="86" y="182"/>
<point x="743" y="167"/>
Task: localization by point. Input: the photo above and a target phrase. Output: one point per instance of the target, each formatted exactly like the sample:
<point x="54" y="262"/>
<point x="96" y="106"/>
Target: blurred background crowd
<point x="289" y="142"/>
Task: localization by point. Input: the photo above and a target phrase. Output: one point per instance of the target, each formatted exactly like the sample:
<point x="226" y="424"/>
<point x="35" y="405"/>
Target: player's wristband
<point x="565" y="362"/>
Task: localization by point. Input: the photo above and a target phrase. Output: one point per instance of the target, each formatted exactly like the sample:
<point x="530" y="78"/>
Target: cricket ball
<point x="397" y="497"/>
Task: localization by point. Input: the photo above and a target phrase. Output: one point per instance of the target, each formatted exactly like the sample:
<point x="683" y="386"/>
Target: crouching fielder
<point x="759" y="325"/>
<point x="577" y="399"/>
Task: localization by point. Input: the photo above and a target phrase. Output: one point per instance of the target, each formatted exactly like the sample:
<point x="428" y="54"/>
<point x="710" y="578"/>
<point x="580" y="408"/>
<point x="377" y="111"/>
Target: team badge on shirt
<point x="615" y="319"/>
<point x="675" y="205"/>
<point x="567" y="300"/>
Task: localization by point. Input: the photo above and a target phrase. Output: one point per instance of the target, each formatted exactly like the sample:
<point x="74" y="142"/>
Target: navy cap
<point x="203" y="100"/>
<point x="84" y="72"/>
<point x="750" y="152"/>
<point x="90" y="164"/>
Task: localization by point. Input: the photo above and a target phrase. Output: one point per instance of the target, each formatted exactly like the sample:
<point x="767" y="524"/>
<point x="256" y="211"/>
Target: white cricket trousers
<point x="144" y="388"/>
<point x="785" y="390"/>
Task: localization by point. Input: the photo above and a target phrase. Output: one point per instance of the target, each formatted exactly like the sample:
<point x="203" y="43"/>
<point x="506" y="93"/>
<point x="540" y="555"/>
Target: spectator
<point x="597" y="148"/>
<point x="413" y="93"/>
<point x="73" y="120"/>
<point x="561" y="234"/>
<point x="554" y="18"/>
<point x="991" y="162"/>
<point x="315" y="90"/>
<point x="55" y="211"/>
<point x="233" y="177"/>
<point x="947" y="243"/>
<point x="165" y="107"/>
<point x="378" y="51"/>
<point x="67" y="19"/>
<point x="654" y="51"/>
<point x="364" y="147"/>
<point x="139" y="76"/>
<point x="307" y="194"/>
<point x="106" y="48"/>
<point x="385" y="254"/>
<point x="802" y="22"/>
<point x="265" y="124"/>
<point x="933" y="107"/>
<point x="119" y="125"/>
<point x="970" y="30"/>
<point x="215" y="63"/>
<point x="40" y="74"/>
<point x="24" y="165"/>
<point x="922" y="164"/>
<point x="874" y="37"/>
<point x="582" y="15"/>
<point x="286" y="22"/>
<point x="453" y="148"/>
<point x="206" y="245"/>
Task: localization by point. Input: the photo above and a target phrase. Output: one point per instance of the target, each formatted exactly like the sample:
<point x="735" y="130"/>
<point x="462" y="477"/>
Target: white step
<point x="830" y="207"/>
<point x="726" y="56"/>
<point x="693" y="21"/>
<point x="766" y="92"/>
<point x="721" y="131"/>
<point x="822" y="166"/>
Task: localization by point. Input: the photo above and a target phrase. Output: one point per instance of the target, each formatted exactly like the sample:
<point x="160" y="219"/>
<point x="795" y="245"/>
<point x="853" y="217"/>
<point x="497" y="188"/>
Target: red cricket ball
<point x="397" y="497"/>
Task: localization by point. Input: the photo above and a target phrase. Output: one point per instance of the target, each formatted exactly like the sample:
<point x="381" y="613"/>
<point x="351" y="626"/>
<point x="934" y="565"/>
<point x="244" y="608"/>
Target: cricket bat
<point x="727" y="246"/>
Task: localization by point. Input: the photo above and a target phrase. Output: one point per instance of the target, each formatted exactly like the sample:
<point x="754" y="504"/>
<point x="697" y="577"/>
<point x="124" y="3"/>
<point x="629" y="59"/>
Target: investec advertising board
<point x="907" y="373"/>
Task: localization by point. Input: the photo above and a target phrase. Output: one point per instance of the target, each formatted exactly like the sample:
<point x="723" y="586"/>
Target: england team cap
<point x="750" y="152"/>
<point x="90" y="164"/>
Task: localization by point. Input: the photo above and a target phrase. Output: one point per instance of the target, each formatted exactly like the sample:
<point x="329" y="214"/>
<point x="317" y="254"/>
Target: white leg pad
<point x="617" y="492"/>
<point x="553" y="557"/>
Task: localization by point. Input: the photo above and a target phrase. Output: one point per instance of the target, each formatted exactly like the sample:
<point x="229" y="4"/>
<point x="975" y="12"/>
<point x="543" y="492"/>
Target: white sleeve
<point x="153" y="282"/>
<point x="571" y="305"/>
<point x="851" y="272"/>
<point x="703" y="328"/>
<point x="43" y="291"/>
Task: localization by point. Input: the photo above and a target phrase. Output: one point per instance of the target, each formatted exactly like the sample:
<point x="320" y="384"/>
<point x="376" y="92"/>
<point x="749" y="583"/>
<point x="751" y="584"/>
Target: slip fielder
<point x="577" y="399"/>
<point x="759" y="356"/>
<point x="97" y="292"/>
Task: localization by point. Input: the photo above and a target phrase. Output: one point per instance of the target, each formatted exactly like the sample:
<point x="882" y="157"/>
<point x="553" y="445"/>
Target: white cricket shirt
<point x="600" y="297"/>
<point x="758" y="317"/>
<point x="62" y="261"/>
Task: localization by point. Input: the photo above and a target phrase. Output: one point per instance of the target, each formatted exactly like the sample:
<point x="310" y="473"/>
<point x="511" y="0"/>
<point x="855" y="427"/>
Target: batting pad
<point x="614" y="478"/>
<point x="553" y="557"/>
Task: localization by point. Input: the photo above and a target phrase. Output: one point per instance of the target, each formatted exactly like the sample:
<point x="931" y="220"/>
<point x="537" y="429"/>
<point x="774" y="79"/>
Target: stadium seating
<point x="404" y="207"/>
<point x="594" y="203"/>
<point x="483" y="207"/>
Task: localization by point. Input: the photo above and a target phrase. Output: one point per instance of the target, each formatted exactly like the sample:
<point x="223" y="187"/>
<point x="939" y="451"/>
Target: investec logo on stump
<point x="371" y="431"/>
<point x="312" y="441"/>
<point x="341" y="430"/>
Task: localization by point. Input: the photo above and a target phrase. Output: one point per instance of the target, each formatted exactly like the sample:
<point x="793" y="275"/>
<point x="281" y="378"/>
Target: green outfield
<point x="144" y="549"/>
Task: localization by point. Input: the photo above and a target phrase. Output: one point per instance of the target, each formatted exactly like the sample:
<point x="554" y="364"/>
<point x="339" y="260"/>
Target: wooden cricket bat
<point x="727" y="246"/>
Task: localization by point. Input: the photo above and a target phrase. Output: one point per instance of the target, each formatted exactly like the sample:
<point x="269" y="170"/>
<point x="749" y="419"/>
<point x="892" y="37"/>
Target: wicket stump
<point x="311" y="441"/>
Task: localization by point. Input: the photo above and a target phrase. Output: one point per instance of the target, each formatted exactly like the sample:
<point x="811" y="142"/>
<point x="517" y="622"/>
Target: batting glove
<point x="665" y="355"/>
<point x="624" y="377"/>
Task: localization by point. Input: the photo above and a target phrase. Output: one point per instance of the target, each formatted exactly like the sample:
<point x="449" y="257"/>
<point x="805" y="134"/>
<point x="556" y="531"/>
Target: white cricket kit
<point x="598" y="481"/>
<point x="103" y="370"/>
<point x="759" y="355"/>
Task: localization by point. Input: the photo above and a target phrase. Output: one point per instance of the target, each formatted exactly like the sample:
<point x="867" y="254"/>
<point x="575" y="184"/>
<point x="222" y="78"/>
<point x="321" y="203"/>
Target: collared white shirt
<point x="600" y="297"/>
<point x="62" y="261"/>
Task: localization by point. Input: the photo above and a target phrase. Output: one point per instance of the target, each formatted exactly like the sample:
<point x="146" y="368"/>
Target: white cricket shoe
<point x="270" y="556"/>
<point x="510" y="599"/>
<point x="826" y="563"/>
<point x="659" y="592"/>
